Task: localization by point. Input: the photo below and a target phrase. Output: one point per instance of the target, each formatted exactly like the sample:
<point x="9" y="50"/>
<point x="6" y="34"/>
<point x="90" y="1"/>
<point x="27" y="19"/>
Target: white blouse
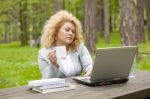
<point x="67" y="66"/>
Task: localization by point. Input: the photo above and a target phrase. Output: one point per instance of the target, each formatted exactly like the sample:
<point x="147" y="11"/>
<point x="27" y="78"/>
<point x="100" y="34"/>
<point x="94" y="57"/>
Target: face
<point x="66" y="34"/>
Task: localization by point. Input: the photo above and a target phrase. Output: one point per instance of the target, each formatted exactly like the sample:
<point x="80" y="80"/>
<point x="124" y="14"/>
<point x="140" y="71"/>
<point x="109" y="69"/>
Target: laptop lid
<point x="112" y="63"/>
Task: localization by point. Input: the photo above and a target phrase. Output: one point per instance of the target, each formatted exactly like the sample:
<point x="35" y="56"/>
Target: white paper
<point x="61" y="52"/>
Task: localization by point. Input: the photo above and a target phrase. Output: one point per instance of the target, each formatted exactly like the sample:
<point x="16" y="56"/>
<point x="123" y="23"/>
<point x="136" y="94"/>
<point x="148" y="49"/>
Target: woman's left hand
<point x="88" y="73"/>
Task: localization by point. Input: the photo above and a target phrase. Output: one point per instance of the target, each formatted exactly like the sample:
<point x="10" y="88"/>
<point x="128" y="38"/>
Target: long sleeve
<point x="85" y="57"/>
<point x="47" y="69"/>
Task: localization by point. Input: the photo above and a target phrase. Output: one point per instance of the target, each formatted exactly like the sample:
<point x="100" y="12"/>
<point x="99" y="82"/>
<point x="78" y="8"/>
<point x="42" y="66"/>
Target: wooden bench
<point x="135" y="88"/>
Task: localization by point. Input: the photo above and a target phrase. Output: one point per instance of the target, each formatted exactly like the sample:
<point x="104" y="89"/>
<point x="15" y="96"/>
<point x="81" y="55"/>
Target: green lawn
<point x="18" y="64"/>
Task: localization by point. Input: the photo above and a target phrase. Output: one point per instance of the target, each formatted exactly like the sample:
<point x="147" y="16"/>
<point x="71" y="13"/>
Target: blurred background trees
<point x="23" y="20"/>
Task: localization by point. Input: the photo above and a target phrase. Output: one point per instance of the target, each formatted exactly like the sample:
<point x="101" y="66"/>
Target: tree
<point x="15" y="25"/>
<point x="114" y="13"/>
<point x="127" y="23"/>
<point x="106" y="22"/>
<point x="23" y="22"/>
<point x="140" y="22"/>
<point x="100" y="17"/>
<point x="7" y="29"/>
<point x="35" y="12"/>
<point x="43" y="15"/>
<point x="147" y="6"/>
<point x="89" y="24"/>
<point x="58" y="4"/>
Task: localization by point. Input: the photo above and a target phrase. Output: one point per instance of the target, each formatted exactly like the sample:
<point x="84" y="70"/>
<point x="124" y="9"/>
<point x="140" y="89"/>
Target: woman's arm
<point x="86" y="60"/>
<point x="47" y="69"/>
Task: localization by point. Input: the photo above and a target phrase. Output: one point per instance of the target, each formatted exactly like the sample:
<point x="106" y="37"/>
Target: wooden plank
<point x="133" y="88"/>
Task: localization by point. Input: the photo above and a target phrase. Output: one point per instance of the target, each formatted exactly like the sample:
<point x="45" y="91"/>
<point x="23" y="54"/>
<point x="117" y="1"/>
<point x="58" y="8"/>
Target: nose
<point x="70" y="32"/>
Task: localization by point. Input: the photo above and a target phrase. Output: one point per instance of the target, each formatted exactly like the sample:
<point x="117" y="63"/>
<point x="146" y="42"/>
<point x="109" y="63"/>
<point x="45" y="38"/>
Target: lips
<point x="70" y="38"/>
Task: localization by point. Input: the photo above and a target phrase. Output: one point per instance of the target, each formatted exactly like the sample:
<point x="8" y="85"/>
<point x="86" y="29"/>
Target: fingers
<point x="89" y="72"/>
<point x="52" y="57"/>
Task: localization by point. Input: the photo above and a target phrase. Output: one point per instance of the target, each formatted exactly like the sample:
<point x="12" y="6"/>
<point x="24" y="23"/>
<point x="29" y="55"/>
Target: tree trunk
<point x="43" y="15"/>
<point x="15" y="32"/>
<point x="147" y="6"/>
<point x="89" y="24"/>
<point x="15" y="25"/>
<point x="23" y="22"/>
<point x="102" y="18"/>
<point x="110" y="24"/>
<point x="127" y="23"/>
<point x="7" y="30"/>
<point x="140" y="22"/>
<point x="106" y="21"/>
<point x="58" y="5"/>
<point x="35" y="33"/>
<point x="97" y="20"/>
<point x="7" y="36"/>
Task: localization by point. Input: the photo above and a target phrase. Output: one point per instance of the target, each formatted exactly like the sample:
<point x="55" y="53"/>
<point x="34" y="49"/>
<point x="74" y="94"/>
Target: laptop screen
<point x="113" y="62"/>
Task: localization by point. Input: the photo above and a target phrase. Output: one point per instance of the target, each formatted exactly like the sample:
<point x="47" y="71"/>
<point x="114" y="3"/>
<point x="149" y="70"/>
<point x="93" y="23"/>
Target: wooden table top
<point x="135" y="88"/>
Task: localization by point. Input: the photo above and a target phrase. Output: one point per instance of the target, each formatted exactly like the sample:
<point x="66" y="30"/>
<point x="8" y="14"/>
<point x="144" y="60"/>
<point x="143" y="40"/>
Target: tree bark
<point x="43" y="15"/>
<point x="102" y="18"/>
<point x="58" y="5"/>
<point x="7" y="30"/>
<point x="15" y="32"/>
<point x="23" y="22"/>
<point x="90" y="24"/>
<point x="106" y="21"/>
<point x="140" y="37"/>
<point x="35" y="32"/>
<point x="147" y="6"/>
<point x="127" y="23"/>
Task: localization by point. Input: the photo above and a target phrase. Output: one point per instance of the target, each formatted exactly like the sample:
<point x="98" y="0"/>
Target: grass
<point x="18" y="64"/>
<point x="114" y="40"/>
<point x="144" y="59"/>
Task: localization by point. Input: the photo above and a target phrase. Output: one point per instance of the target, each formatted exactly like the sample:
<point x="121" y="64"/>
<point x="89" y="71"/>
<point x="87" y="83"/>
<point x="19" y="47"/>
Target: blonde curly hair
<point x="53" y="25"/>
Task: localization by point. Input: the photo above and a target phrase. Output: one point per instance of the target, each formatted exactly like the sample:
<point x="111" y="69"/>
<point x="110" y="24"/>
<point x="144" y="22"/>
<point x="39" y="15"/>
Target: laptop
<point x="111" y="66"/>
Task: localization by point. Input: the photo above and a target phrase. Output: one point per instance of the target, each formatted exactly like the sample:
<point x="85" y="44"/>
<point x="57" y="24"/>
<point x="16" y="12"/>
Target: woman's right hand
<point x="52" y="57"/>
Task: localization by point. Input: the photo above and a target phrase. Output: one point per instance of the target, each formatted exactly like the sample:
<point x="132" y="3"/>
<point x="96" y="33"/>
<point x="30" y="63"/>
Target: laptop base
<point x="118" y="81"/>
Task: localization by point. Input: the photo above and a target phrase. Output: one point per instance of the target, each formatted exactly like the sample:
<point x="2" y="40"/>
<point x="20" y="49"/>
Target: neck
<point x="59" y="44"/>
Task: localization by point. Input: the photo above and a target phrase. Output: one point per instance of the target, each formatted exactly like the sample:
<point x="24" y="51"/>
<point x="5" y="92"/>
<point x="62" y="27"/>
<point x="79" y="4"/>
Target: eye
<point x="73" y="31"/>
<point x="67" y="29"/>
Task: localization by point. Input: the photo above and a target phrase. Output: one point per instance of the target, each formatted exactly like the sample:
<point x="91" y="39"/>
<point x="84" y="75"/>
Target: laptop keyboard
<point x="86" y="81"/>
<point x="83" y="78"/>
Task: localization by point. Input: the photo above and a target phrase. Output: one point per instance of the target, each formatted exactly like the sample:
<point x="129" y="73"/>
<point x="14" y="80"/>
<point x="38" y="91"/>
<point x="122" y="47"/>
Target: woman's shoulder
<point x="81" y="47"/>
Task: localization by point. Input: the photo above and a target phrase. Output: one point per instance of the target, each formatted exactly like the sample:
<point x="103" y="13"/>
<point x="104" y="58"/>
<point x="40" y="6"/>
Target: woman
<point x="63" y="29"/>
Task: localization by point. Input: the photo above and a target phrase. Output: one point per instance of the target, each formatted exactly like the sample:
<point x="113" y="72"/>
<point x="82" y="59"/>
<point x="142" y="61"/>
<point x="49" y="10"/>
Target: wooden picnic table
<point x="135" y="88"/>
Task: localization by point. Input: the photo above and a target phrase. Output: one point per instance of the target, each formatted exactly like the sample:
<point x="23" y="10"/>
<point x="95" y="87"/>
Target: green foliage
<point x="18" y="65"/>
<point x="75" y="7"/>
